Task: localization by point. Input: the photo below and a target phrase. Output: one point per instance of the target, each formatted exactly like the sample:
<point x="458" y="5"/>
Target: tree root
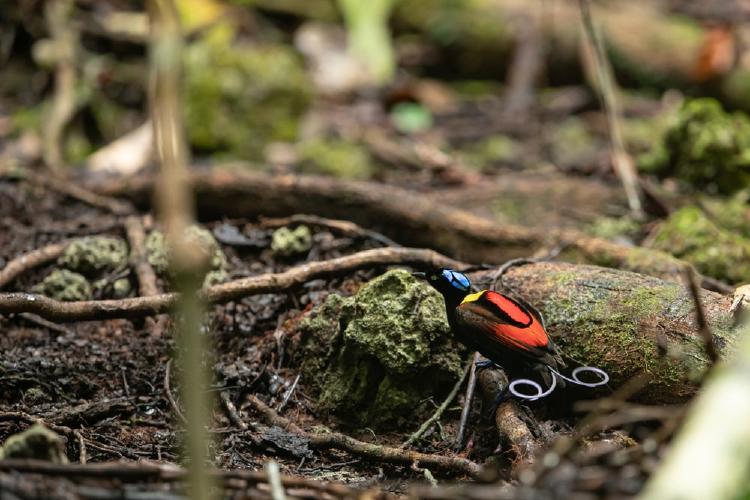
<point x="408" y="217"/>
<point x="30" y="260"/>
<point x="369" y="451"/>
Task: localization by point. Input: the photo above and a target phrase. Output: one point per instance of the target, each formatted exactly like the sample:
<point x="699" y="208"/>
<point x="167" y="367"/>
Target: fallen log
<point x="408" y="217"/>
<point x="625" y="323"/>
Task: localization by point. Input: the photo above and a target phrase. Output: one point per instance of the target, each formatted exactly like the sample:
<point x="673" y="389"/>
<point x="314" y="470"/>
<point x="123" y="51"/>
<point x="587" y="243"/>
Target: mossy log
<point x="624" y="323"/>
<point x="408" y="217"/>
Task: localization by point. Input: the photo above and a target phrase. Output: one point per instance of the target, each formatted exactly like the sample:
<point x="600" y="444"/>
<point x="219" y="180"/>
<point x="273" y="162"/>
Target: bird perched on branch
<point x="504" y="330"/>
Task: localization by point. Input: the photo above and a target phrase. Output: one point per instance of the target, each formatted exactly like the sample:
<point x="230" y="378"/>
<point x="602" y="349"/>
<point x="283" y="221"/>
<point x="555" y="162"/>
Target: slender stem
<point x="175" y="204"/>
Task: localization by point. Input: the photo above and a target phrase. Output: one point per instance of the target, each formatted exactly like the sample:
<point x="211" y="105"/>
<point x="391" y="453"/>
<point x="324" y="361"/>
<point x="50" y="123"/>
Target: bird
<point x="505" y="330"/>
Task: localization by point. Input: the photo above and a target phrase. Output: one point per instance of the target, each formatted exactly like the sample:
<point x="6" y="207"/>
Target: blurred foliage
<point x="369" y="37"/>
<point x="705" y="147"/>
<point x="336" y="157"/>
<point x="716" y="251"/>
<point x="411" y="117"/>
<point x="238" y="98"/>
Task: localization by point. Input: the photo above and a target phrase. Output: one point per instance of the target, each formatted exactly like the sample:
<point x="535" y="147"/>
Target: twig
<point x="30" y="260"/>
<point x="55" y="310"/>
<point x="168" y="393"/>
<point x="156" y="472"/>
<point x="467" y="403"/>
<point x="289" y="393"/>
<point x="232" y="411"/>
<point x="621" y="161"/>
<point x="508" y="417"/>
<point x="700" y="318"/>
<point x="65" y="39"/>
<point x="344" y="226"/>
<point x="33" y="318"/>
<point x="138" y="260"/>
<point x="274" y="481"/>
<point x="81" y="447"/>
<point x="335" y="440"/>
<point x="62" y="186"/>
<point x="439" y="412"/>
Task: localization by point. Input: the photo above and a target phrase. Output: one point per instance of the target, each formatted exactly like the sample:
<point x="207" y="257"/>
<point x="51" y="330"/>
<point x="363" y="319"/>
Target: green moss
<point x="335" y="157"/>
<point x="572" y="143"/>
<point x="492" y="150"/>
<point x="614" y="228"/>
<point x="94" y="255"/>
<point x="705" y="147"/>
<point x="690" y="235"/>
<point x="36" y="442"/>
<point x="157" y="255"/>
<point x="62" y="284"/>
<point x="594" y="322"/>
<point x="377" y="356"/>
<point x="238" y="98"/>
<point x="287" y="242"/>
<point x="732" y="214"/>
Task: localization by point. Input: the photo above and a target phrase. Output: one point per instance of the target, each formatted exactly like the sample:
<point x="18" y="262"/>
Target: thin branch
<point x="441" y="409"/>
<point x="168" y="393"/>
<point x="468" y="397"/>
<point x="30" y="260"/>
<point x="700" y="318"/>
<point x="266" y="283"/>
<point x="138" y="261"/>
<point x="621" y="161"/>
<point x="370" y="451"/>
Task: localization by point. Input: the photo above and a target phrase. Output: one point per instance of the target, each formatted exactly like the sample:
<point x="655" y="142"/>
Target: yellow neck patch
<point x="472" y="297"/>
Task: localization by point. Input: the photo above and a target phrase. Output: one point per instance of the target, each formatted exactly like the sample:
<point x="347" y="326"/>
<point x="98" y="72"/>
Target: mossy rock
<point x="95" y="254"/>
<point x="337" y="158"/>
<point x="62" y="284"/>
<point x="36" y="442"/>
<point x="614" y="228"/>
<point x="376" y="357"/>
<point x="704" y="146"/>
<point x="158" y="257"/>
<point x="288" y="242"/>
<point x="690" y="235"/>
<point x="238" y="98"/>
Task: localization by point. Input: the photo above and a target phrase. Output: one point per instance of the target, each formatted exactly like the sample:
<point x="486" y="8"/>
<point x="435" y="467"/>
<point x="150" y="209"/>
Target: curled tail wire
<point x="541" y="393"/>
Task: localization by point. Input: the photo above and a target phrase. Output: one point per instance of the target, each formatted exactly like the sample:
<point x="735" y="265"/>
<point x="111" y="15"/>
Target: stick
<point x="30" y="260"/>
<point x="335" y="440"/>
<point x="138" y="260"/>
<point x="467" y="403"/>
<point x="439" y="412"/>
<point x="621" y="161"/>
<point x="55" y="310"/>
<point x="700" y="318"/>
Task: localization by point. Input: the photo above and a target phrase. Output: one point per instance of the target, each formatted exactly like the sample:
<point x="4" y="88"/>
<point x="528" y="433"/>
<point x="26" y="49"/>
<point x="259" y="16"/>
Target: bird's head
<point x="452" y="285"/>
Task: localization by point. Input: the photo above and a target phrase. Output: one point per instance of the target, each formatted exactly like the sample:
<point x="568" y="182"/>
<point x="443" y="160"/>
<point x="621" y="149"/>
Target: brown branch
<point x="700" y="318"/>
<point x="30" y="260"/>
<point x="508" y="418"/>
<point x="138" y="260"/>
<point x="168" y="393"/>
<point x="408" y="217"/>
<point x="468" y="397"/>
<point x="370" y="451"/>
<point x="76" y="192"/>
<point x="266" y="283"/>
<point x="155" y="472"/>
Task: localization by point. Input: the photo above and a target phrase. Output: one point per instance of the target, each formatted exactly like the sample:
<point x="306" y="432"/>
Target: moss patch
<point x="376" y="357"/>
<point x="715" y="251"/>
<point x="704" y="146"/>
<point x="158" y="256"/>
<point x="238" y="98"/>
<point x="287" y="242"/>
<point x="36" y="442"/>
<point x="94" y="255"/>
<point x="335" y="157"/>
<point x="604" y="329"/>
<point x="62" y="284"/>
